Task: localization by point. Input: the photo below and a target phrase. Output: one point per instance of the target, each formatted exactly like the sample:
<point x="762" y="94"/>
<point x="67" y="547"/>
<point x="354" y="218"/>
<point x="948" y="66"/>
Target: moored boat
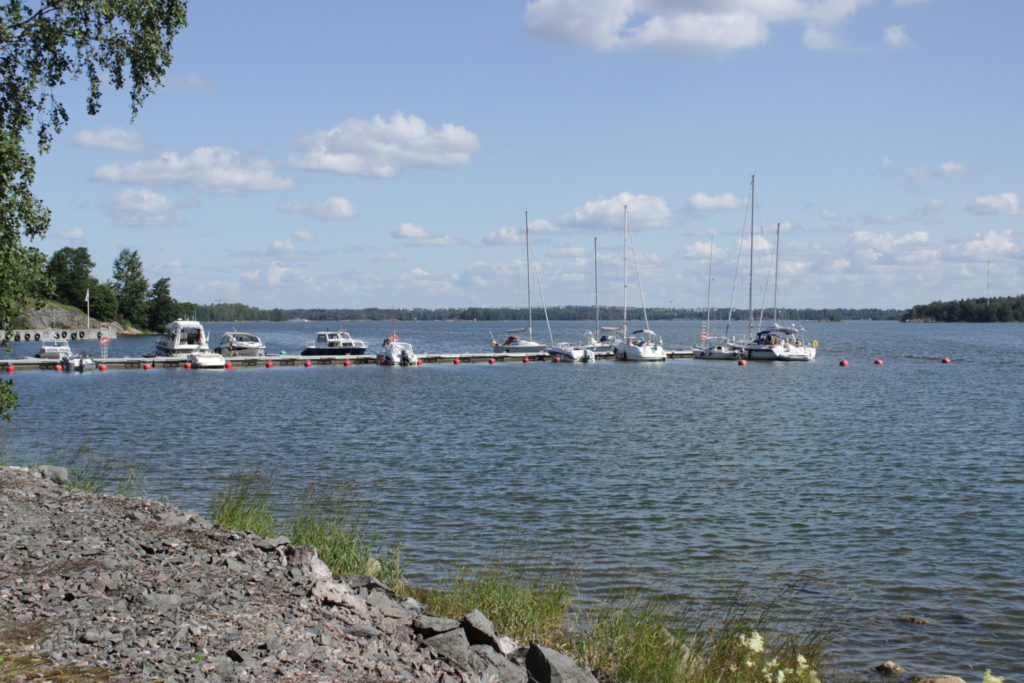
<point x="396" y="352"/>
<point x="181" y="338"/>
<point x="567" y="352"/>
<point x="335" y="343"/>
<point x="78" y="362"/>
<point x="780" y="343"/>
<point x="54" y="349"/>
<point x="206" y="360"/>
<point x="643" y="344"/>
<point x="240" y="344"/>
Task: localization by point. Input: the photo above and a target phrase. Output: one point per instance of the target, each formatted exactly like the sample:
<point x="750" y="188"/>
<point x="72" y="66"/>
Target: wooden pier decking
<point x="155" y="362"/>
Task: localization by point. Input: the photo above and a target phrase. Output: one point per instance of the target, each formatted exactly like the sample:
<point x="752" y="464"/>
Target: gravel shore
<point x="142" y="590"/>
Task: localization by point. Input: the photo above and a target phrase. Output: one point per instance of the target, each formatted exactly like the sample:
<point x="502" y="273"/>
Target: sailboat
<point x="600" y="339"/>
<point x="514" y="343"/>
<point x="643" y="344"/>
<point x="711" y="347"/>
<point x="778" y="342"/>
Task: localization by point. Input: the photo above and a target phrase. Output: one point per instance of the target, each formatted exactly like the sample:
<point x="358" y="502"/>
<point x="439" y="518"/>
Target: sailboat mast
<point x="597" y="308"/>
<point x="750" y="284"/>
<point x="625" y="267"/>
<point x="778" y="226"/>
<point x="529" y="300"/>
<point x="711" y="258"/>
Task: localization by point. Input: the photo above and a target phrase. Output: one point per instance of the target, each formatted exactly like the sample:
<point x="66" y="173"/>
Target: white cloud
<point x="418" y="236"/>
<point x="74" y="234"/>
<point x="896" y="37"/>
<point x="144" y="207"/>
<point x="110" y="138"/>
<point x="1005" y="204"/>
<point x="701" y="203"/>
<point x="644" y="211"/>
<point x="280" y="247"/>
<point x="686" y="27"/>
<point x="946" y="169"/>
<point x="382" y="148"/>
<point x="330" y="209"/>
<point x="829" y="214"/>
<point x="568" y="252"/>
<point x="505" y="235"/>
<point x="277" y="274"/>
<point x="211" y="169"/>
<point x="190" y="82"/>
<point x="303" y="235"/>
<point x="992" y="245"/>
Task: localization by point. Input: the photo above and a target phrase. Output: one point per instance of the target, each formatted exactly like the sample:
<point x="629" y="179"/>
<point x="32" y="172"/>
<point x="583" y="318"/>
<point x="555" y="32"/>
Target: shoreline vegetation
<point x="628" y="638"/>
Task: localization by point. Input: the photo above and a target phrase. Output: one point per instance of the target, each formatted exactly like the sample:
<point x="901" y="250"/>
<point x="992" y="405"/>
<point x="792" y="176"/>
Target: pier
<point x="156" y="362"/>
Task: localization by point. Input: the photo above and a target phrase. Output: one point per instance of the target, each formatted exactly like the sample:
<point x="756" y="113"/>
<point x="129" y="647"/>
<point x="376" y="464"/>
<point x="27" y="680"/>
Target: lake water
<point x="881" y="491"/>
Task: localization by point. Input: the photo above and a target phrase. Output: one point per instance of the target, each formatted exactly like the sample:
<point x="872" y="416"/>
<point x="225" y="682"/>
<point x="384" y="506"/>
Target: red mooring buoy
<point x="147" y="366"/>
<point x="947" y="360"/>
<point x="526" y="360"/>
<point x="9" y="369"/>
<point x="228" y="365"/>
<point x="457" y="361"/>
<point x="843" y="363"/>
<point x="308" y="364"/>
<point x="490" y="361"/>
<point x="347" y="363"/>
<point x="58" y="367"/>
<point x="270" y="363"/>
<point x="742" y="361"/>
<point x="419" y="361"/>
<point x="103" y="368"/>
<point x="879" y="361"/>
<point x="188" y="366"/>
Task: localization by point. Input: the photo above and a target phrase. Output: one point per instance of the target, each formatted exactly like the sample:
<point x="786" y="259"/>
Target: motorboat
<point x="335" y="343"/>
<point x="605" y="343"/>
<point x="54" y="349"/>
<point x="181" y="338"/>
<point x="516" y="344"/>
<point x="78" y="362"/>
<point x="718" y="349"/>
<point x="567" y="352"/>
<point x="396" y="352"/>
<point x="641" y="345"/>
<point x="206" y="360"/>
<point x="240" y="344"/>
<point x="780" y="343"/>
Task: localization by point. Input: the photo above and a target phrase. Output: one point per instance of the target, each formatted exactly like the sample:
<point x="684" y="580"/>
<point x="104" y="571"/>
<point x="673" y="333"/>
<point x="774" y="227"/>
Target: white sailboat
<point x="600" y="339"/>
<point x="643" y="344"/>
<point x="514" y="343"/>
<point x="778" y="342"/>
<point x="712" y="347"/>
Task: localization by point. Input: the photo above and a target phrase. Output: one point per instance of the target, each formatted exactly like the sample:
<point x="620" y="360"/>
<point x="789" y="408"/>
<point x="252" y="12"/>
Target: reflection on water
<point x="889" y="491"/>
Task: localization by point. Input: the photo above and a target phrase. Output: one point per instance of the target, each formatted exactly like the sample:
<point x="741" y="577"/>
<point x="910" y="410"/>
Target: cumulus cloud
<point x="701" y="203"/>
<point x="303" y="235"/>
<point x="110" y="138"/>
<point x="277" y="274"/>
<point x="330" y="209"/>
<point x="896" y="37"/>
<point x="1005" y="204"/>
<point x="984" y="247"/>
<point x="382" y="148"/>
<point x="686" y="27"/>
<point x="645" y="211"/>
<point x="418" y="236"/>
<point x="144" y="207"/>
<point x="211" y="169"/>
<point x="505" y="235"/>
<point x="190" y="82"/>
<point x="74" y="234"/>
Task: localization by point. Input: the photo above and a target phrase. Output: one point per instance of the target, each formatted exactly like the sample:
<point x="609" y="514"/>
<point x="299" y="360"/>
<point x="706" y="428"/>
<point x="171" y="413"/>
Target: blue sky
<point x="350" y="154"/>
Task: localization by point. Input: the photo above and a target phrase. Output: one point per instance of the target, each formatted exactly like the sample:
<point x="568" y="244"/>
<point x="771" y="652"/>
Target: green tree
<point x="102" y="301"/>
<point x="163" y="308"/>
<point x="70" y="270"/>
<point x="44" y="44"/>
<point x="131" y="287"/>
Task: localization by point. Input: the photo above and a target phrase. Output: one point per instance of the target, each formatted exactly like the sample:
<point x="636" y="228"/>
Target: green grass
<point x="245" y="505"/>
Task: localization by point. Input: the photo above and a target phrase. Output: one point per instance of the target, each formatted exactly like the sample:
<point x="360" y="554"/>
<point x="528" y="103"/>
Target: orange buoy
<point x="308" y="364"/>
<point x="270" y="363"/>
<point x="228" y="365"/>
<point x="347" y="363"/>
<point x="9" y="369"/>
<point x="188" y="365"/>
<point x="58" y="367"/>
<point x="102" y="367"/>
<point x="843" y="363"/>
<point x="457" y="361"/>
<point x="879" y="361"/>
<point x="489" y="360"/>
<point x="742" y="361"/>
<point x="526" y="360"/>
<point x="147" y="366"/>
<point x="947" y="360"/>
<point x="557" y="359"/>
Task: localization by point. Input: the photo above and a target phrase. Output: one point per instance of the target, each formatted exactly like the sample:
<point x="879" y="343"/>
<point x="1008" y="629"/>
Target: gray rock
<point x="479" y="629"/>
<point x="427" y="625"/>
<point x="58" y="475"/>
<point x="548" y="666"/>
<point x="890" y="668"/>
<point x="305" y="559"/>
<point x="494" y="668"/>
<point x="454" y="646"/>
<point x="930" y="678"/>
<point x="270" y="543"/>
<point x="337" y="593"/>
<point x="162" y="601"/>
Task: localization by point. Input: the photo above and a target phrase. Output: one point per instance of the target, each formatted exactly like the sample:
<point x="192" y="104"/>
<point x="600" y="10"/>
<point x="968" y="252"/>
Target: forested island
<point x="1003" y="309"/>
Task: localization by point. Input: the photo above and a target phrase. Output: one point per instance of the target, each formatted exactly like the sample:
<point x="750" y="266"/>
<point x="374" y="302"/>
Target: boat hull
<point x="645" y="353"/>
<point x="341" y="351"/>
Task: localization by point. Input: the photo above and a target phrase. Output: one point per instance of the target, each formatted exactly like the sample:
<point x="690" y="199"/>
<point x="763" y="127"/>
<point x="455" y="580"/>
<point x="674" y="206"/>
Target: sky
<point x="335" y="154"/>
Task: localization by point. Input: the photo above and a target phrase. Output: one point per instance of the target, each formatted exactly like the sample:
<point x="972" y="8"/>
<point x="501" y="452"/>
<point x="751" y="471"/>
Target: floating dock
<point x="153" y="362"/>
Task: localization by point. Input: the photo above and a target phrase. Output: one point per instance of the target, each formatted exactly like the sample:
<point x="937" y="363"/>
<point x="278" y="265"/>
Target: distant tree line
<point x="126" y="297"/>
<point x="224" y="312"/>
<point x="1004" y="309"/>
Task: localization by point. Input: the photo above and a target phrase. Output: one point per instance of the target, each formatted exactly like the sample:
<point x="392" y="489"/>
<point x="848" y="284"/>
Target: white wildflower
<point x="754" y="642"/>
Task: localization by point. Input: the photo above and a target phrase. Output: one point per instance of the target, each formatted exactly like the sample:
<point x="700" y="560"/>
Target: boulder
<point x="548" y="666"/>
<point x="454" y="646"/>
<point x="890" y="668"/>
<point x="58" y="475"/>
<point x="305" y="560"/>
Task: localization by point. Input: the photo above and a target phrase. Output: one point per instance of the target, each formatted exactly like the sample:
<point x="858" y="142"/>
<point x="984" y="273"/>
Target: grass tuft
<point x="245" y="505"/>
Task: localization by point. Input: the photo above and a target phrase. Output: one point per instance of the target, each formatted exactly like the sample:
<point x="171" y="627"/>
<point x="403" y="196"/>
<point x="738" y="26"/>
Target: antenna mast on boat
<point x="597" y="308"/>
<point x="625" y="267"/>
<point x="775" y="297"/>
<point x="711" y="258"/>
<point x="750" y="285"/>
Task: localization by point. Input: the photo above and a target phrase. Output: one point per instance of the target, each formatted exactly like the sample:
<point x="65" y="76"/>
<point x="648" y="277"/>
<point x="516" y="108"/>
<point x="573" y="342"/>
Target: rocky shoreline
<point x="134" y="589"/>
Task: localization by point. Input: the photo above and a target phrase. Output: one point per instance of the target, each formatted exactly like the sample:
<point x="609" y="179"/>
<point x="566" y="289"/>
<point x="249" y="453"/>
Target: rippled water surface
<point x="885" y="491"/>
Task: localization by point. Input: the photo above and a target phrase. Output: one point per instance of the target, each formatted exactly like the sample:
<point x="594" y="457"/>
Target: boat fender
<point x="64" y="334"/>
<point x="81" y="334"/>
<point x="17" y="337"/>
<point x="99" y="335"/>
<point x="37" y="336"/>
<point x="74" y="336"/>
<point x="814" y="343"/>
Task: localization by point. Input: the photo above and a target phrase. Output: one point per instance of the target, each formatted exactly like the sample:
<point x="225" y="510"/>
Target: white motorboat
<point x="78" y="362"/>
<point x="181" y="338"/>
<point x="240" y="344"/>
<point x="515" y="343"/>
<point x="780" y="343"/>
<point x="567" y="352"/>
<point x="396" y="352"/>
<point x="644" y="344"/>
<point x="206" y="360"/>
<point x="54" y="349"/>
<point x="335" y="343"/>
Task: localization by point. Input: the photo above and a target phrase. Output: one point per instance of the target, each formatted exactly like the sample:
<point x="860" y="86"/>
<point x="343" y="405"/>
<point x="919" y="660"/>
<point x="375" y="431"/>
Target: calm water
<point x="885" y="491"/>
